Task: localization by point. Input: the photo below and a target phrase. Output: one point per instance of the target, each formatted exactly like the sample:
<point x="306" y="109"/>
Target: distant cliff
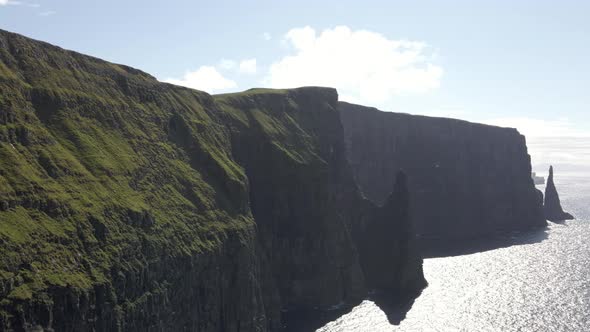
<point x="127" y="204"/>
<point x="466" y="180"/>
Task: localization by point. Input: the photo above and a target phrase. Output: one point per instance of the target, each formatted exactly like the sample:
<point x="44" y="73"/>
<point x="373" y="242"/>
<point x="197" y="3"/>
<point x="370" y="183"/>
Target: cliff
<point x="466" y="180"/>
<point x="552" y="207"/>
<point x="121" y="207"/>
<point x="303" y="196"/>
<point x="130" y="204"/>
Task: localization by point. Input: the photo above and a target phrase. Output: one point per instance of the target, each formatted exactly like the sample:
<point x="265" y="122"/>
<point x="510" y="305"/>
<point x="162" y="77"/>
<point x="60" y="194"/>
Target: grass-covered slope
<point x="104" y="170"/>
<point x="130" y="204"/>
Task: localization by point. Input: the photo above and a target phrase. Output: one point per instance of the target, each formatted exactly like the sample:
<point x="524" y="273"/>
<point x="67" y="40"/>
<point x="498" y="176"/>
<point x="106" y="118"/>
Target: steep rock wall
<point x="121" y="207"/>
<point x="311" y="218"/>
<point x="133" y="205"/>
<point x="466" y="180"/>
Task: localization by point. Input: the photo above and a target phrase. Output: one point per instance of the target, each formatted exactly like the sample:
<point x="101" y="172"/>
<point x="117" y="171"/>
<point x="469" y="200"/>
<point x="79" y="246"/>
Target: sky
<point x="522" y="64"/>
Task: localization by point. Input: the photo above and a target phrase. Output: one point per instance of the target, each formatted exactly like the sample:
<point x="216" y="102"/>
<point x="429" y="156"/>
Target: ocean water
<point x="540" y="281"/>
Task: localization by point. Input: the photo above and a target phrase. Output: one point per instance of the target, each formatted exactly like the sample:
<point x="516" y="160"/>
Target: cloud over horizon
<point x="364" y="66"/>
<point x="526" y="125"/>
<point x="569" y="153"/>
<point x="211" y="80"/>
<point x="27" y="4"/>
<point x="532" y="127"/>
<point x="248" y="66"/>
<point x="206" y="78"/>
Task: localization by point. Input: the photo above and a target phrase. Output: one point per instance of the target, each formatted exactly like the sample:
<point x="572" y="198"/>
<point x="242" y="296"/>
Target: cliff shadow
<point x="445" y="248"/>
<point x="395" y="309"/>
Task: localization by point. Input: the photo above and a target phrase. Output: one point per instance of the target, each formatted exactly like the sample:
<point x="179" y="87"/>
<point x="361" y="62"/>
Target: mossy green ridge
<point x="104" y="173"/>
<point x="131" y="204"/>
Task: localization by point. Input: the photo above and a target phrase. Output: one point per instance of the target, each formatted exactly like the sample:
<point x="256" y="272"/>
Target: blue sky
<point x="512" y="63"/>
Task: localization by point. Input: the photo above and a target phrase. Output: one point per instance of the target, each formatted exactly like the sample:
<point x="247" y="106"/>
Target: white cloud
<point x="19" y="3"/>
<point x="266" y="36"/>
<point x="248" y="66"/>
<point x="9" y="2"/>
<point x="364" y="66"/>
<point x="206" y="78"/>
<point x="227" y="64"/>
<point x="209" y="79"/>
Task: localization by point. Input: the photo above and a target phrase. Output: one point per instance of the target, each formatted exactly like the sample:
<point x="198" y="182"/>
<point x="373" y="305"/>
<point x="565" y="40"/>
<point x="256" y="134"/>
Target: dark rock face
<point x="293" y="155"/>
<point x="466" y="180"/>
<point x="324" y="243"/>
<point x="127" y="204"/>
<point x="552" y="206"/>
<point x="389" y="237"/>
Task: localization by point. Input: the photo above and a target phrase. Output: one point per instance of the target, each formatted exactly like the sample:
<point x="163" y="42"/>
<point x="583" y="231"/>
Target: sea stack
<point x="553" y="210"/>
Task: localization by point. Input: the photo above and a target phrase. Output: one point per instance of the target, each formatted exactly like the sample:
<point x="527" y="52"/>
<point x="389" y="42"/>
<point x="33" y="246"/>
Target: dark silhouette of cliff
<point x="467" y="181"/>
<point x="552" y="207"/>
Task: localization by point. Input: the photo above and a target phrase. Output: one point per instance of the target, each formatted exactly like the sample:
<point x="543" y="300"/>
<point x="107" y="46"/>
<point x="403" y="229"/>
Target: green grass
<point x="99" y="148"/>
<point x="89" y="148"/>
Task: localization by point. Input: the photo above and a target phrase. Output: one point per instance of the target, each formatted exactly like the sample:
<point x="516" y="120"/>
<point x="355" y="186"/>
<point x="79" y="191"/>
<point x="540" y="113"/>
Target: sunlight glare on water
<point x="540" y="284"/>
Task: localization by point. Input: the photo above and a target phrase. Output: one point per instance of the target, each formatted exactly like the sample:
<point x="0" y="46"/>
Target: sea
<point x="533" y="281"/>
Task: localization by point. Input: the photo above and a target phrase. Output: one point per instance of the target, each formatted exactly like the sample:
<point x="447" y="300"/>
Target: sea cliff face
<point x="133" y="205"/>
<point x="466" y="180"/>
<point x="121" y="205"/>
<point x="313" y="223"/>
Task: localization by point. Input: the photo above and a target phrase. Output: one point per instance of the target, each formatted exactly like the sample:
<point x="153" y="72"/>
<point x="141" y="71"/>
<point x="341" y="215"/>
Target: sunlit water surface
<point x="541" y="283"/>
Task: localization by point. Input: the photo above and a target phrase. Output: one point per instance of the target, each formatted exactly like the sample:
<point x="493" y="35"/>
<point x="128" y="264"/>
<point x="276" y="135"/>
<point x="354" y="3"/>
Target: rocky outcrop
<point x="466" y="180"/>
<point x="552" y="207"/>
<point x="127" y="204"/>
<point x="388" y="237"/>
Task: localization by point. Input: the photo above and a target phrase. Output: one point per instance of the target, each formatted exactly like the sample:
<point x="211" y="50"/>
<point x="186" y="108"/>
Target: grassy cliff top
<point x="101" y="165"/>
<point x="105" y="169"/>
